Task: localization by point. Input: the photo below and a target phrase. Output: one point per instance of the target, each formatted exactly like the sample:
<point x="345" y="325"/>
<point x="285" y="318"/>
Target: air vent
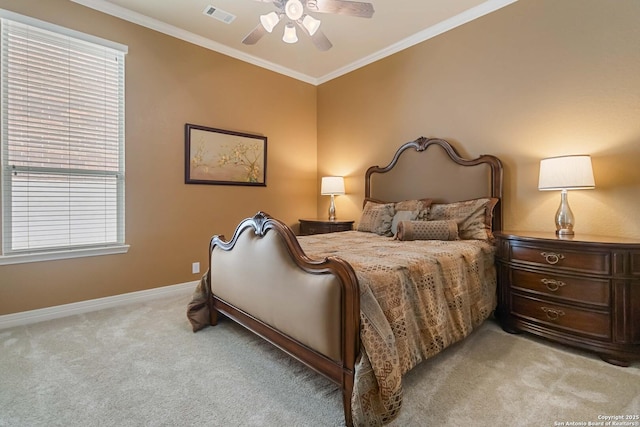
<point x="219" y="14"/>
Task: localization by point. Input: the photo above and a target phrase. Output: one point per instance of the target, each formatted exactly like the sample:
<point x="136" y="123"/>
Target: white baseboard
<point x="56" y="312"/>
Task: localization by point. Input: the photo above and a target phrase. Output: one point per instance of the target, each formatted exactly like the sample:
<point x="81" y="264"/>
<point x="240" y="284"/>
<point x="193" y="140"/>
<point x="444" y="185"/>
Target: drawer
<point x="635" y="263"/>
<point x="340" y="227"/>
<point x="312" y="229"/>
<point x="591" y="262"/>
<point x="307" y="228"/>
<point x="575" y="289"/>
<point x="572" y="320"/>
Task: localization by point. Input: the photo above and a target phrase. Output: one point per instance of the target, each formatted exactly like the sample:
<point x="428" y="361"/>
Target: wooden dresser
<point x="321" y="226"/>
<point x="583" y="292"/>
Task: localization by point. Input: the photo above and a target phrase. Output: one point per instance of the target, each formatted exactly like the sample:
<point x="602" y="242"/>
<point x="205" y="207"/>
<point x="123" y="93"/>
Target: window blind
<point x="62" y="141"/>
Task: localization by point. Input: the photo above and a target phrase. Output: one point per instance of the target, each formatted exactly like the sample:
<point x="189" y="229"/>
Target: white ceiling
<point x="395" y="25"/>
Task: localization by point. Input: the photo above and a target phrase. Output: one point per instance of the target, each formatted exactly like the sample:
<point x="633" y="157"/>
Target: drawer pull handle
<point x="552" y="257"/>
<point x="552" y="284"/>
<point x="552" y="313"/>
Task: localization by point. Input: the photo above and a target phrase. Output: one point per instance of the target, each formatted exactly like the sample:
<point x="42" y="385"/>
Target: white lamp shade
<point x="290" y="35"/>
<point x="332" y="185"/>
<point x="294" y="9"/>
<point x="566" y="173"/>
<point x="311" y="24"/>
<point x="269" y="21"/>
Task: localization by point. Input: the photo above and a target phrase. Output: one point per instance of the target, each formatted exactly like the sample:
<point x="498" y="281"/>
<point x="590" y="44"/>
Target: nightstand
<point x="321" y="226"/>
<point x="583" y="292"/>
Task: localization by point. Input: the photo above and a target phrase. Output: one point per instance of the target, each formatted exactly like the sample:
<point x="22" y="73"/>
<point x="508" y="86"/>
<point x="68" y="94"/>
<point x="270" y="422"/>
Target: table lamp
<point x="565" y="173"/>
<point x="332" y="186"/>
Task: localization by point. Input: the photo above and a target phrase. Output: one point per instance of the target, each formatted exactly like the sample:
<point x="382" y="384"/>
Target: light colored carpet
<point x="141" y="365"/>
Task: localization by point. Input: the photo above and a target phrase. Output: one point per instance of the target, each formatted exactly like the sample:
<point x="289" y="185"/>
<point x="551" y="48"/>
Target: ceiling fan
<point x="294" y="12"/>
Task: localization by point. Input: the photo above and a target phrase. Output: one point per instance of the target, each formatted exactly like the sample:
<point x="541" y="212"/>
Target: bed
<point x="363" y="307"/>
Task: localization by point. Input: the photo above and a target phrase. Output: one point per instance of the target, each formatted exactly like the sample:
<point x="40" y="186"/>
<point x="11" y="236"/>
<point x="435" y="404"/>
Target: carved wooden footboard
<point x="310" y="309"/>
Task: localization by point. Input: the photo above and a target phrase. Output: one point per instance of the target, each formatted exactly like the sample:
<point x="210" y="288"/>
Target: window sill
<point x="66" y="254"/>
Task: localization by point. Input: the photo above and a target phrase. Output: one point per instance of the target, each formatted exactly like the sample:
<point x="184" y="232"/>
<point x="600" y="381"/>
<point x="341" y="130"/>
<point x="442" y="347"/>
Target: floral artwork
<point x="215" y="156"/>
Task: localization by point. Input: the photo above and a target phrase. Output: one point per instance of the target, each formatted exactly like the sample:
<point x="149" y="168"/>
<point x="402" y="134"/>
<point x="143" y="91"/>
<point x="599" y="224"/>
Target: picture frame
<point x="223" y="157"/>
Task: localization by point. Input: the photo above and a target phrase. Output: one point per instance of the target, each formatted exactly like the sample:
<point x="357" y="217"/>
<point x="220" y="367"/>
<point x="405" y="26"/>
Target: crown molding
<point x="162" y="27"/>
<point x="433" y="31"/>
<point x="426" y="34"/>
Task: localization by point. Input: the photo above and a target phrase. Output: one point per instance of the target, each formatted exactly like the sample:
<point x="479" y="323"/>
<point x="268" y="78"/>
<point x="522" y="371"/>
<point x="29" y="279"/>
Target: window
<point x="62" y="141"/>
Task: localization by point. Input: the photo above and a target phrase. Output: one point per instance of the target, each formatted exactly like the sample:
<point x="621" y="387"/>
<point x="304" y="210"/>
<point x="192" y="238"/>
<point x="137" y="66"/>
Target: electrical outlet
<point x="195" y="268"/>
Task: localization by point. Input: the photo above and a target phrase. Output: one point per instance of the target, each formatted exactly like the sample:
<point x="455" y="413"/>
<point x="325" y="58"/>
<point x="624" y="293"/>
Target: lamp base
<point x="564" y="217"/>
<point x="565" y="232"/>
<point x="332" y="210"/>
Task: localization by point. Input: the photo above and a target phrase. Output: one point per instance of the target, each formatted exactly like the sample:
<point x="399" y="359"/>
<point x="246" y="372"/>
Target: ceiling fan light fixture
<point x="290" y="35"/>
<point x="311" y="24"/>
<point x="269" y="21"/>
<point x="294" y="9"/>
<point x="296" y="15"/>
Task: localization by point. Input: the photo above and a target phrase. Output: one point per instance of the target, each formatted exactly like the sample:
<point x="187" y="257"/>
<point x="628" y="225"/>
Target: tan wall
<point x="168" y="224"/>
<point x="535" y="79"/>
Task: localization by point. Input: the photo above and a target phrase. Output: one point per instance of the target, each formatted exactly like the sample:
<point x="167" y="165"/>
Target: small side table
<point x="322" y="226"/>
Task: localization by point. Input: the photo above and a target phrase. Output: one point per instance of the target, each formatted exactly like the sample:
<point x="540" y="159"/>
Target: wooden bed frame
<point x="262" y="269"/>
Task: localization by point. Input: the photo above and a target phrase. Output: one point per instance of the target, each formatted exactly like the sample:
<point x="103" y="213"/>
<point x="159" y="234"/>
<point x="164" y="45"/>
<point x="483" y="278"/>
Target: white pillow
<point x="402" y="216"/>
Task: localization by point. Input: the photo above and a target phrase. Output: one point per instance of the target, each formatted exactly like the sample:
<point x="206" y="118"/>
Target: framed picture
<point x="223" y="157"/>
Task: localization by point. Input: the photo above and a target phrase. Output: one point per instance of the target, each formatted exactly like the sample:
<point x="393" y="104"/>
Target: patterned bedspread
<point x="416" y="298"/>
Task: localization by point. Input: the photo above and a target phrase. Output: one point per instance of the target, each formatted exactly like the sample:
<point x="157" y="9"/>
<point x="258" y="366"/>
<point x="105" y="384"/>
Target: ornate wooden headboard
<point x="442" y="175"/>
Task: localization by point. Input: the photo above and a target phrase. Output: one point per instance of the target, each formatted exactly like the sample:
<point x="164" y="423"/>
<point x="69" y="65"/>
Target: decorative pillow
<point x="472" y="216"/>
<point x="427" y="230"/>
<point x="420" y="206"/>
<point x="402" y="216"/>
<point x="377" y="218"/>
<point x="376" y="201"/>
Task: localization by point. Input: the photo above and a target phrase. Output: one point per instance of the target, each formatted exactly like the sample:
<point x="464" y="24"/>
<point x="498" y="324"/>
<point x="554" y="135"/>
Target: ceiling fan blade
<point x="318" y="38"/>
<point x="321" y="41"/>
<point x="254" y="36"/>
<point x="341" y="7"/>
